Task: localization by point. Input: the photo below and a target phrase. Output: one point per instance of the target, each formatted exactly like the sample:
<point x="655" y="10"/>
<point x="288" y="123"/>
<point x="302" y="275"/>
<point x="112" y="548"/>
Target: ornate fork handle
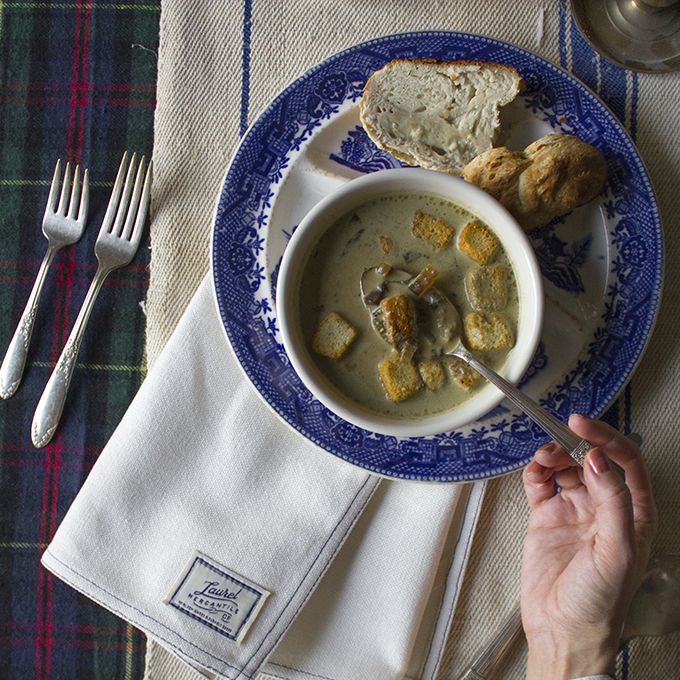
<point x="576" y="447"/>
<point x="14" y="362"/>
<point x="51" y="404"/>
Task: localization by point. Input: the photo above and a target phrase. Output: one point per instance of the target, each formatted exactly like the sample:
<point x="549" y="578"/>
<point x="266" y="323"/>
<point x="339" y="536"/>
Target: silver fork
<point x="116" y="245"/>
<point x="61" y="227"/>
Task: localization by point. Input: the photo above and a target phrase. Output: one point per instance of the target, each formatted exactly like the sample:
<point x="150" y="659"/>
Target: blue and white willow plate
<point x="602" y="265"/>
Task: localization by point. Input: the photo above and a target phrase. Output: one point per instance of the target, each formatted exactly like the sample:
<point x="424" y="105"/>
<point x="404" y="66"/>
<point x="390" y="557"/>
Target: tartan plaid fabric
<point x="77" y="81"/>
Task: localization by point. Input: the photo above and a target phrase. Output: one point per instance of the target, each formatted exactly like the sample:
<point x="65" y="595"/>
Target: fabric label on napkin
<point x="218" y="598"/>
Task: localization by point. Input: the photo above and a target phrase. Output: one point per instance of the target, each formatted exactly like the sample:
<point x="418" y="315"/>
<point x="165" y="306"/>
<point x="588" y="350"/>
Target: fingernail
<point x="599" y="463"/>
<point x="549" y="448"/>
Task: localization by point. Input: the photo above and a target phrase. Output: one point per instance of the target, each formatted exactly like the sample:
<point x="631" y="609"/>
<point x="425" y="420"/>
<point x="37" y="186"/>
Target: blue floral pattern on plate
<point x="358" y="152"/>
<point x="245" y="254"/>
<point x="561" y="261"/>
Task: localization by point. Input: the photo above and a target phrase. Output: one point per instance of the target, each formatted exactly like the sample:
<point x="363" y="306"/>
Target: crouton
<point x="421" y="283"/>
<point x="333" y="337"/>
<point x="488" y="332"/>
<point x="460" y="373"/>
<point x="386" y="244"/>
<point x="399" y="316"/>
<point x="486" y="288"/>
<point x="432" y="229"/>
<point x="399" y="377"/>
<point x="477" y="242"/>
<point x="432" y="374"/>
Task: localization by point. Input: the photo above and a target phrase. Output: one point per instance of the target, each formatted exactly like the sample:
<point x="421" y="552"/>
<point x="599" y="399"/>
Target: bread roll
<point x="551" y="177"/>
<point x="438" y="115"/>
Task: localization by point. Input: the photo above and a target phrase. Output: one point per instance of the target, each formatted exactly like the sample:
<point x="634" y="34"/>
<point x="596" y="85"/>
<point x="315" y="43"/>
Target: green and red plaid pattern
<point x="77" y="81"/>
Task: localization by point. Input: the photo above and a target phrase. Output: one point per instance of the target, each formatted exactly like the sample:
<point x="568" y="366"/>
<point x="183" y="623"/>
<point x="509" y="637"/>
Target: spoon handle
<point x="576" y="447"/>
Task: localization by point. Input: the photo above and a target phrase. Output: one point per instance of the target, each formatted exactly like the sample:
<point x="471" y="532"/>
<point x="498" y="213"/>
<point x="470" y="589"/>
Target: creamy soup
<point x="381" y="232"/>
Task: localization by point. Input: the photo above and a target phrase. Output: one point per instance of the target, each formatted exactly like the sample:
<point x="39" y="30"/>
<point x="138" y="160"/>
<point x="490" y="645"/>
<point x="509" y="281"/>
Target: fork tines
<point x="79" y="196"/>
<point x="116" y="245"/>
<point x="125" y="215"/>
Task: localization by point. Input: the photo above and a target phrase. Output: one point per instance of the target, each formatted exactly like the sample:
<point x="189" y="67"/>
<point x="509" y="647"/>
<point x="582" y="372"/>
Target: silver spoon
<point x="445" y="325"/>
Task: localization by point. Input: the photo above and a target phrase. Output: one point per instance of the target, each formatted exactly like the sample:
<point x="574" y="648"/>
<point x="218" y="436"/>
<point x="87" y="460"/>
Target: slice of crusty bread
<point x="438" y="115"/>
<point x="551" y="177"/>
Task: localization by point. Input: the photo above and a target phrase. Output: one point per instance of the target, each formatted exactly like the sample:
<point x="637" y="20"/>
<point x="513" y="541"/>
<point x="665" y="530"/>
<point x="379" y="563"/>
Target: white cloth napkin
<point x="209" y="524"/>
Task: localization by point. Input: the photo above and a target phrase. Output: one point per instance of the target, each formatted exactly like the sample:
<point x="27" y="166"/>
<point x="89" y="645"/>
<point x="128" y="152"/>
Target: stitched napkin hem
<point x="448" y="587"/>
<point x="185" y="648"/>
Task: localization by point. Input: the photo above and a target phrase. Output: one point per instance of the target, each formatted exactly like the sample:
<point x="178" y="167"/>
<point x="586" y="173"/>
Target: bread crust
<point x="449" y="162"/>
<point x="551" y="177"/>
<point x="454" y="62"/>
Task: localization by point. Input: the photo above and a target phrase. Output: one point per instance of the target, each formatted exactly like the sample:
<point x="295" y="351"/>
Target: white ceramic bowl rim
<point x="359" y="191"/>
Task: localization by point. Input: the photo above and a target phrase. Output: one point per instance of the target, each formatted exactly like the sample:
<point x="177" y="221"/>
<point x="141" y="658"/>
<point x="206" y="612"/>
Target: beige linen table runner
<point x="219" y="66"/>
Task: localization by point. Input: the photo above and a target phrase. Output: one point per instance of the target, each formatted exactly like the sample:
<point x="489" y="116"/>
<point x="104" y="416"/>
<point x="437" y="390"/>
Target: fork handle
<point x="51" y="404"/>
<point x="576" y="447"/>
<point x="13" y="364"/>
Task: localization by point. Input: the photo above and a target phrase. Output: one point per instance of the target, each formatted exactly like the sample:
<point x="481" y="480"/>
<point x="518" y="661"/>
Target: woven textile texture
<point x="220" y="67"/>
<point x="77" y="82"/>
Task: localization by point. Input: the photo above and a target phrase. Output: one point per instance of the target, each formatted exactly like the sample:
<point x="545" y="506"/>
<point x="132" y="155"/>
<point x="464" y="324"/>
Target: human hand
<point x="585" y="551"/>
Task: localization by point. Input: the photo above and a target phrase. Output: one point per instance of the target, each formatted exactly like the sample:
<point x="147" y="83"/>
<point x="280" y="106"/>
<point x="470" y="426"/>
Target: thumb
<point x="613" y="505"/>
